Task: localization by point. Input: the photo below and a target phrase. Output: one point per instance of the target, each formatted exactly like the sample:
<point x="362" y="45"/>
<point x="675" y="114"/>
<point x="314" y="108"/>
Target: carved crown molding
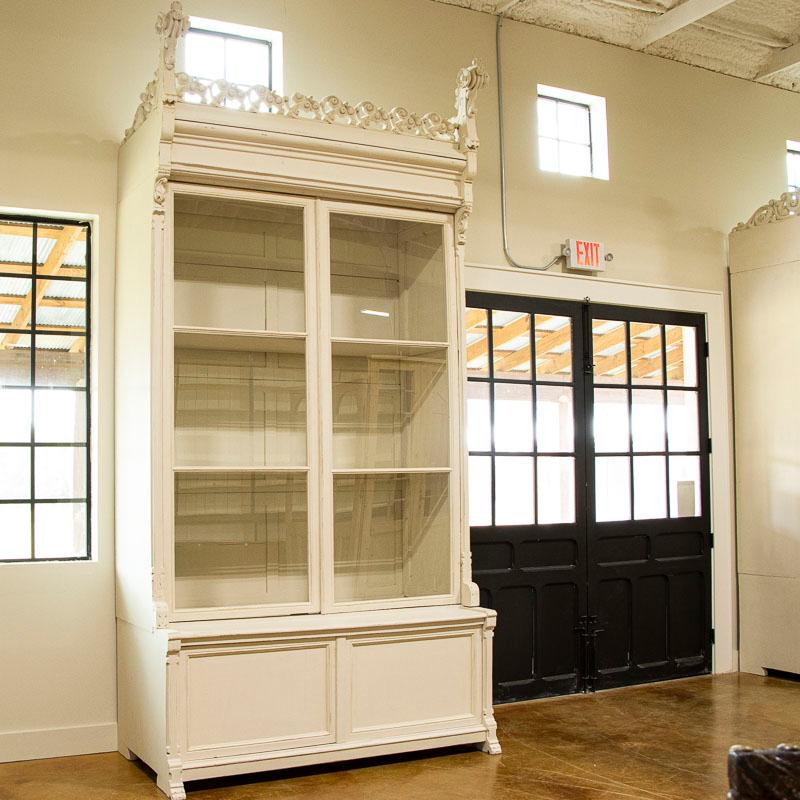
<point x="167" y="85"/>
<point x="787" y="205"/>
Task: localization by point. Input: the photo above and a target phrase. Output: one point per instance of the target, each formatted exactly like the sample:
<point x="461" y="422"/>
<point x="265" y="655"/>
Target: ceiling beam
<point x="783" y="59"/>
<point x="679" y="17"/>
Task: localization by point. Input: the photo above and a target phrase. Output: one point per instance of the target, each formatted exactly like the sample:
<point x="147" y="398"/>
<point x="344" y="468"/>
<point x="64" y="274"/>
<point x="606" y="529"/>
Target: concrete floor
<point x="666" y="740"/>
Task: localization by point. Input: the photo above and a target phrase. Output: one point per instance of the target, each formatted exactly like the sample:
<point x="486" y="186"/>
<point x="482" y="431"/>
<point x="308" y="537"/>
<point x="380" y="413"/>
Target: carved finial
<point x="469" y="80"/>
<point x="171" y="25"/>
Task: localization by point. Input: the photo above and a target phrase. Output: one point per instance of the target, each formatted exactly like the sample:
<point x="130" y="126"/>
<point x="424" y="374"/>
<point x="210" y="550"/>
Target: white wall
<point x="691" y="153"/>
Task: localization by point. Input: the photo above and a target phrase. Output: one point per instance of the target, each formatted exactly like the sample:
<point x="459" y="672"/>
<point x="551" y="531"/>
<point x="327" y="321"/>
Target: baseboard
<point x="54" y="742"/>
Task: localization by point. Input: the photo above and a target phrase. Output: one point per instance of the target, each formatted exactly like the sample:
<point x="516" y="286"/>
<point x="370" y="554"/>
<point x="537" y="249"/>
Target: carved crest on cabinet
<point x="787" y="205"/>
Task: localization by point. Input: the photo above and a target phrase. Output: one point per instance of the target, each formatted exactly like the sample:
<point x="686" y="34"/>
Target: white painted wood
<point x="235" y="662"/>
<point x="679" y="17"/>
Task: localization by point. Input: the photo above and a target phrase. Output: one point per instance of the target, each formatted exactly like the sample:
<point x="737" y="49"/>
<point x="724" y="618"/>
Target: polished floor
<point x="666" y="740"/>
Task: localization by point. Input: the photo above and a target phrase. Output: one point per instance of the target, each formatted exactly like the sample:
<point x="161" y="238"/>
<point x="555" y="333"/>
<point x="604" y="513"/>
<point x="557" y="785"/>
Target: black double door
<point x="589" y="492"/>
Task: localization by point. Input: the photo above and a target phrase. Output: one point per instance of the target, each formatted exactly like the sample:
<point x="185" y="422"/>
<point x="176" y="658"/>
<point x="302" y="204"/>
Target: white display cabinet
<point x="291" y="527"/>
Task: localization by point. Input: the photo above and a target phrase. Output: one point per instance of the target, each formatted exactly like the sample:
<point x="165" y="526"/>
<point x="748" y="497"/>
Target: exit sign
<point x="585" y="255"/>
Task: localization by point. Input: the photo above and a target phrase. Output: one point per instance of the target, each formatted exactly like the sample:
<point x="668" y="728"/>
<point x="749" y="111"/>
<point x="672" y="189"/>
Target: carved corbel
<point x="468" y="82"/>
<point x="160" y="195"/>
<point x="462" y="223"/>
<point x="170" y="26"/>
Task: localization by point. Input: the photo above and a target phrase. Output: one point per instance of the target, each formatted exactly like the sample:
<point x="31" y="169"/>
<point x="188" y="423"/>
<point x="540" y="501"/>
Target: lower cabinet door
<point x="256" y="698"/>
<point x="396" y="686"/>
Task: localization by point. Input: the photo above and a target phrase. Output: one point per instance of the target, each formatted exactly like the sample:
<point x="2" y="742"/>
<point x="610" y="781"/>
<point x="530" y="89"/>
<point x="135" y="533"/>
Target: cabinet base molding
<point x="204" y="700"/>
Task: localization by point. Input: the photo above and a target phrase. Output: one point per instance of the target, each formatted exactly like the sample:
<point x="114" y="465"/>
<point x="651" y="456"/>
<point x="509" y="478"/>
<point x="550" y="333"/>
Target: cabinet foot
<point x="492" y="747"/>
<point x="127" y="754"/>
<point x="172" y="786"/>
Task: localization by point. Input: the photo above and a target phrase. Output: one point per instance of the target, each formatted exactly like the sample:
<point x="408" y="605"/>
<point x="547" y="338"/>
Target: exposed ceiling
<point x="752" y="39"/>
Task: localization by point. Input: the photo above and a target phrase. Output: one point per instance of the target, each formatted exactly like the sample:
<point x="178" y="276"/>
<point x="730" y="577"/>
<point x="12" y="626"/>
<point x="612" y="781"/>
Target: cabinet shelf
<point x="235" y="469"/>
<point x="238" y="339"/>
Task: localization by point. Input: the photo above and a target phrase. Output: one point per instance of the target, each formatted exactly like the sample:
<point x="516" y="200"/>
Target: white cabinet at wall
<point x="291" y="528"/>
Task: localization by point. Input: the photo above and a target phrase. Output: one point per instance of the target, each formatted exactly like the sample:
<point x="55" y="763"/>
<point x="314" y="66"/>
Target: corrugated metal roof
<point x="18" y="286"/>
<point x="17" y="249"/>
<point x="71" y="317"/>
<point x="65" y="290"/>
<point x="7" y="313"/>
<point x="45" y="342"/>
<point x="76" y="255"/>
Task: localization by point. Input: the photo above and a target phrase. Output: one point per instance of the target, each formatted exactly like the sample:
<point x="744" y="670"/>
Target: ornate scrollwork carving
<point x="170" y="26"/>
<point x="148" y="100"/>
<point x="787" y="205"/>
<point x="468" y="82"/>
<point x="462" y="223"/>
<point x="160" y="194"/>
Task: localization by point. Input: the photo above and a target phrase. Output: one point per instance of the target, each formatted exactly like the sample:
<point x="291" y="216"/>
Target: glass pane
<point x="391" y="536"/>
<point x="60" y="473"/>
<point x="554" y="419"/>
<point x="513" y="490"/>
<point x="684" y="486"/>
<point x="547" y="117"/>
<point x="647" y="419"/>
<point x="646" y="357"/>
<point x="60" y="306"/>
<point x="15" y="366"/>
<point x="238" y="265"/>
<point x="390" y="406"/>
<point x="15" y="415"/>
<point x="609" y="351"/>
<point x="477" y="328"/>
<point x="553" y="348"/>
<point x="511" y="340"/>
<point x="480" y="490"/>
<point x="204" y="55"/>
<point x="513" y="418"/>
<point x="555" y="487"/>
<point x="649" y="487"/>
<point x="573" y="123"/>
<point x="59" y="416"/>
<point x="15" y="473"/>
<point x="479" y="427"/>
<point x="387" y="279"/>
<point x="610" y="423"/>
<point x="246" y="62"/>
<point x="16" y="253"/>
<point x="681" y="356"/>
<point x="612" y="488"/>
<point x="60" y="360"/>
<point x="15" y="530"/>
<point x="60" y="530"/>
<point x="240" y="408"/>
<point x="240" y="539"/>
<point x="682" y="421"/>
<point x="574" y="159"/>
<point x="548" y="154"/>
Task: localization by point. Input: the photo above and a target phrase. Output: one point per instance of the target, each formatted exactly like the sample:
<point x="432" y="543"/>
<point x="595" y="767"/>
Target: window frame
<point x="231" y="30"/>
<point x="792" y="151"/>
<point x="35" y="221"/>
<point x="598" y="128"/>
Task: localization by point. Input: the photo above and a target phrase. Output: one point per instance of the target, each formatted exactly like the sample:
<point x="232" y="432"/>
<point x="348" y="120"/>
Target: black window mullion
<point x="629" y="389"/>
<point x="665" y="378"/>
<point x="534" y="412"/>
<point x="32" y="342"/>
<point x="490" y="356"/>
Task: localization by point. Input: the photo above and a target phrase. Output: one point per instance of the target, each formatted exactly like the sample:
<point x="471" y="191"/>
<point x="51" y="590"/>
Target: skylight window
<point x="239" y="54"/>
<point x="572" y="132"/>
<point x="793" y="165"/>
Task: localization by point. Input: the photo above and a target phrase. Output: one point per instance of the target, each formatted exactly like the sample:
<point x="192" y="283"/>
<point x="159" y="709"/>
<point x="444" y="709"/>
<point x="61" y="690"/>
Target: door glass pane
<point x="15" y="530"/>
<point x="60" y="360"/>
<point x="15" y="415"/>
<point x="684" y="486"/>
<point x="513" y="490"/>
<point x="479" y="428"/>
<point x="60" y="473"/>
<point x="553" y="348"/>
<point x="555" y="487"/>
<point x="610" y="424"/>
<point x="15" y="473"/>
<point x="391" y="536"/>
<point x="387" y="279"/>
<point x="681" y="355"/>
<point x="390" y="406"/>
<point x="239" y="408"/>
<point x="60" y="530"/>
<point x="480" y="490"/>
<point x="240" y="539"/>
<point x="477" y="331"/>
<point x="513" y="418"/>
<point x="238" y="264"/>
<point x="15" y="365"/>
<point x="649" y="487"/>
<point x="511" y="340"/>
<point x="555" y="419"/>
<point x="59" y="415"/>
<point x="612" y="488"/>
<point x="647" y="419"/>
<point x="609" y="351"/>
<point x="682" y="421"/>
<point x="646" y="359"/>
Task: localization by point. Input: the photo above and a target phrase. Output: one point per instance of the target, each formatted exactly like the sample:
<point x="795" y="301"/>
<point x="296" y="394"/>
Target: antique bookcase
<point x="293" y="570"/>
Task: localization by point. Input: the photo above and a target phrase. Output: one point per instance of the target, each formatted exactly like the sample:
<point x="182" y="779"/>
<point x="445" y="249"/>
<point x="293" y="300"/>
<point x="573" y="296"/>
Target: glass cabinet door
<point x="241" y="439"/>
<point x="391" y="409"/>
